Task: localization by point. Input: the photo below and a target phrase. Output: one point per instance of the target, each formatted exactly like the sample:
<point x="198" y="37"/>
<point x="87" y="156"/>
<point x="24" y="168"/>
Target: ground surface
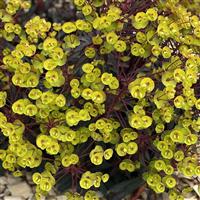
<point x="12" y="188"/>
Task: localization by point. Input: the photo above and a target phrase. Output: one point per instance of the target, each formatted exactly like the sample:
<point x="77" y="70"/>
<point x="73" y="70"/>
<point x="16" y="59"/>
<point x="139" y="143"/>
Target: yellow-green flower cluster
<point x="89" y="179"/>
<point x="45" y="181"/>
<point x="20" y="153"/>
<point x="129" y="165"/>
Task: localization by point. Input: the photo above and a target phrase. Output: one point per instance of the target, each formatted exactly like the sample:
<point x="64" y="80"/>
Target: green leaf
<point x="2" y="170"/>
<point x="124" y="188"/>
<point x="64" y="183"/>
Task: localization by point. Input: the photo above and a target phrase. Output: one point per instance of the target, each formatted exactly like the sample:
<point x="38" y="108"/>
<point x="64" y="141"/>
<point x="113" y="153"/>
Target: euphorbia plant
<point x="106" y="97"/>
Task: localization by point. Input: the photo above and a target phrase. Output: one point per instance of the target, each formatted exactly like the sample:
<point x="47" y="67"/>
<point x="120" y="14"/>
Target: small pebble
<point x="191" y="198"/>
<point x="13" y="198"/>
<point x="11" y="180"/>
<point x="31" y="197"/>
<point x="5" y="193"/>
<point x="20" y="189"/>
<point x="165" y="196"/>
<point x="3" y="180"/>
<point x="52" y="198"/>
<point x="2" y="188"/>
<point x="52" y="193"/>
<point x="61" y="197"/>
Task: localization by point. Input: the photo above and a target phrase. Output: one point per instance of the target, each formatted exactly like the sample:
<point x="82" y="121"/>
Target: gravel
<point x="12" y="188"/>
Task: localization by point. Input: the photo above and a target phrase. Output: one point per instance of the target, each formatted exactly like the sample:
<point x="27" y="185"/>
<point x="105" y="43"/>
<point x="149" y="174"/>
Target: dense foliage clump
<point x="110" y="95"/>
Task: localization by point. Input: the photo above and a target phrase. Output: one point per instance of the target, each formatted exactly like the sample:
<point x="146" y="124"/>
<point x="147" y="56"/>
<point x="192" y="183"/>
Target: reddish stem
<point x="138" y="193"/>
<point x="40" y="5"/>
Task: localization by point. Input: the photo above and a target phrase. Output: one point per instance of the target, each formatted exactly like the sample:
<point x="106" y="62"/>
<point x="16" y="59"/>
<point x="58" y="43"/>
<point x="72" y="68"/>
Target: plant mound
<point x="102" y="100"/>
